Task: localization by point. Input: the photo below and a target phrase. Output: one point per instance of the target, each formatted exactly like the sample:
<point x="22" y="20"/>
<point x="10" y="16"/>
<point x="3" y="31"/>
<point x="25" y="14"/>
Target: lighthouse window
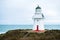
<point x="38" y="10"/>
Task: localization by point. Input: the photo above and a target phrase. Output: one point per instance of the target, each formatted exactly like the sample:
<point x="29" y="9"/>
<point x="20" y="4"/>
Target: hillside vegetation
<point x="24" y="35"/>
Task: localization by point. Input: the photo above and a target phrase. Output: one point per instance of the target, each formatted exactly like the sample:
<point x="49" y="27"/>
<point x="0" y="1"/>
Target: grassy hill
<point x="24" y="35"/>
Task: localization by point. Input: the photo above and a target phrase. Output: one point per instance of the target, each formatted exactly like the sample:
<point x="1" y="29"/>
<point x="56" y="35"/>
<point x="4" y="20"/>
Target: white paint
<point x="40" y="23"/>
<point x="38" y="20"/>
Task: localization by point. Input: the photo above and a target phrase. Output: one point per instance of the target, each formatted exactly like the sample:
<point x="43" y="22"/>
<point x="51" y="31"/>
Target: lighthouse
<point x="38" y="19"/>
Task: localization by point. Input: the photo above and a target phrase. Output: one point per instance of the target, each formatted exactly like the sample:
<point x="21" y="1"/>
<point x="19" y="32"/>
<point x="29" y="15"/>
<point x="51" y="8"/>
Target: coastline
<point x="2" y="32"/>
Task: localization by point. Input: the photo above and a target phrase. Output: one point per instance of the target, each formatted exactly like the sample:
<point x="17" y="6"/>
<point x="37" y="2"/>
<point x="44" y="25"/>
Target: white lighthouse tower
<point x="38" y="20"/>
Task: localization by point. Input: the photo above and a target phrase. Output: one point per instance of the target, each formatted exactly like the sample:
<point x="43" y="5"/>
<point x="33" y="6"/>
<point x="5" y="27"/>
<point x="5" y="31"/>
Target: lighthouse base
<point x="39" y="30"/>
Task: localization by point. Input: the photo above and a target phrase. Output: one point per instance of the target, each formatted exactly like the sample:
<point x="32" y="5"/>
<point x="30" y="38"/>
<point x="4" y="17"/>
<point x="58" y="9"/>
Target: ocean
<point x="5" y="28"/>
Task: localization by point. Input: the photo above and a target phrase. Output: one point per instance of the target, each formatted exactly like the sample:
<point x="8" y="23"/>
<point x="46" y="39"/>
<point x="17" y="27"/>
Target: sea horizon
<point x="5" y="28"/>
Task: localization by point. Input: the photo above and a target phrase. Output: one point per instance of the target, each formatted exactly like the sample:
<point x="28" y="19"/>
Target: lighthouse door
<point x="37" y="28"/>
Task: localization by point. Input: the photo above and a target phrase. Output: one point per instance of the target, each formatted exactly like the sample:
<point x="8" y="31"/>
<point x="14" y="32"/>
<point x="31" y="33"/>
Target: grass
<point x="19" y="35"/>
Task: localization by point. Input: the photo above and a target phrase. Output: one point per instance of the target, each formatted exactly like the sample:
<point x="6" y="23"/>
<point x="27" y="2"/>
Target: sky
<point x="21" y="11"/>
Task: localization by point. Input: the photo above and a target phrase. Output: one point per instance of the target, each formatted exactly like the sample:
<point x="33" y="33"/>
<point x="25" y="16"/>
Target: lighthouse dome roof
<point x="38" y="7"/>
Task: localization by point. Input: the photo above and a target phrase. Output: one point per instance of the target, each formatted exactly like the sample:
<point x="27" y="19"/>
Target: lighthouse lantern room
<point x="38" y="20"/>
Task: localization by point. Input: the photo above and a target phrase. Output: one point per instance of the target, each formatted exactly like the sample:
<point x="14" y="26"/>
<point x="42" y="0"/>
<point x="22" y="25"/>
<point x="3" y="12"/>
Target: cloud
<point x="21" y="11"/>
